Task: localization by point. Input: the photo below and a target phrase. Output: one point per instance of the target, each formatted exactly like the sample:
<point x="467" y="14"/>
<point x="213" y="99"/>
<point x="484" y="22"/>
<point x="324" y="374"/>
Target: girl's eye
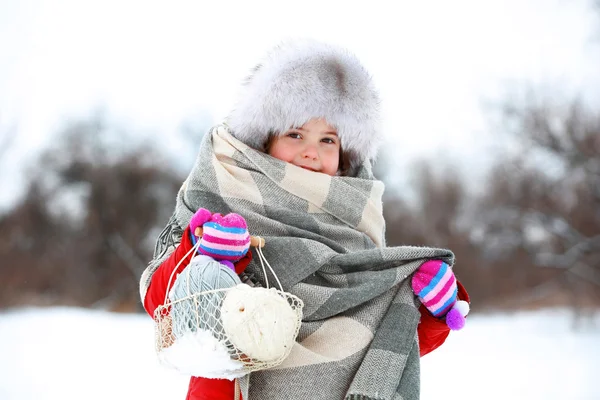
<point x="328" y="140"/>
<point x="294" y="135"/>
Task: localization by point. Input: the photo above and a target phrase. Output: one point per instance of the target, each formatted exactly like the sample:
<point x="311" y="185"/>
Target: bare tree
<point x="87" y="224"/>
<point x="437" y="217"/>
<point x="545" y="200"/>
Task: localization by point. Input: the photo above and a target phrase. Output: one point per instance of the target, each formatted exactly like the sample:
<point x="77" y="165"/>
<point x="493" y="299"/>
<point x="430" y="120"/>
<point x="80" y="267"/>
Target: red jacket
<point x="432" y="331"/>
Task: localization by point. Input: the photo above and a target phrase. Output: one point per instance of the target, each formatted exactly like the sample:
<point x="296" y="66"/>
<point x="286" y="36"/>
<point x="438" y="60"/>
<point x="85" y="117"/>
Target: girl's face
<point x="314" y="146"/>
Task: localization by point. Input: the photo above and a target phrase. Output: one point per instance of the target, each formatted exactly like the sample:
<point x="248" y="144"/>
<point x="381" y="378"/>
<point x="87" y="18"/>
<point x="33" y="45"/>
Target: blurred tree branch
<point x="545" y="199"/>
<point x="82" y="231"/>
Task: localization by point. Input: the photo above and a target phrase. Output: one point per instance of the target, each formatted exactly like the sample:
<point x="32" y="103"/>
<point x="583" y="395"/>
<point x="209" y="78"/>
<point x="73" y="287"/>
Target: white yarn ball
<point x="259" y="322"/>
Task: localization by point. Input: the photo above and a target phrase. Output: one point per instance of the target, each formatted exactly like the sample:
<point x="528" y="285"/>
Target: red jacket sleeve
<point x="200" y="388"/>
<point x="155" y="295"/>
<point x="433" y="331"/>
<point x="210" y="389"/>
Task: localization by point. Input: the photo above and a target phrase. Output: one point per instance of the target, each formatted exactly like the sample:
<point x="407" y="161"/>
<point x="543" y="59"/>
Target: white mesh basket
<point x="227" y="332"/>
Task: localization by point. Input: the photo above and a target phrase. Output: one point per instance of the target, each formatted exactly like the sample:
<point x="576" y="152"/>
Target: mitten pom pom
<point x="463" y="307"/>
<point x="455" y="320"/>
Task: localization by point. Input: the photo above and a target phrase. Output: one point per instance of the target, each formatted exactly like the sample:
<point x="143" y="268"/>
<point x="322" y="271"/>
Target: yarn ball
<point x="192" y="309"/>
<point x="225" y="238"/>
<point x="259" y="322"/>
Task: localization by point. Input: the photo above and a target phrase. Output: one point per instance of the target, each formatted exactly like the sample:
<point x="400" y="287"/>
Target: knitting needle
<point x="255" y="241"/>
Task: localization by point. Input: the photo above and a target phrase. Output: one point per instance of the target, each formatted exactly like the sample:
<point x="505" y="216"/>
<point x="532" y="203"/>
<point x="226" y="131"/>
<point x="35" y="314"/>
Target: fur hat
<point x="301" y="80"/>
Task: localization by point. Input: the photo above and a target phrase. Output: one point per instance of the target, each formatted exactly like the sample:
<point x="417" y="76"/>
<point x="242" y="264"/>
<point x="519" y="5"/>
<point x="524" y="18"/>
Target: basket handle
<point x="255" y="241"/>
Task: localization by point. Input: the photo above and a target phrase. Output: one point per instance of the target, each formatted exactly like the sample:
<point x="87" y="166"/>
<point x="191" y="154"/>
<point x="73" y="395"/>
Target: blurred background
<point x="491" y="116"/>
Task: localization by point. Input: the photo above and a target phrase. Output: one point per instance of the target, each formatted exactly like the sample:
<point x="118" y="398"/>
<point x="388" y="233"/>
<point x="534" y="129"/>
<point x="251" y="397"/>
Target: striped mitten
<point x="435" y="285"/>
<point x="224" y="238"/>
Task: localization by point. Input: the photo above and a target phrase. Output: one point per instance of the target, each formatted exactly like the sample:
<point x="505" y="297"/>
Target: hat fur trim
<point x="301" y="80"/>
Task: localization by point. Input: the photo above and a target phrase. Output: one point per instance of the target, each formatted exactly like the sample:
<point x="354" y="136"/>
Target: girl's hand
<point x="434" y="284"/>
<point x="199" y="218"/>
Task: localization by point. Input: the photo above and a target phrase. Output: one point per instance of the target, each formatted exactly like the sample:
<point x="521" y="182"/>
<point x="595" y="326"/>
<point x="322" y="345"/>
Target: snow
<point x="517" y="356"/>
<point x="200" y="353"/>
<point x="71" y="353"/>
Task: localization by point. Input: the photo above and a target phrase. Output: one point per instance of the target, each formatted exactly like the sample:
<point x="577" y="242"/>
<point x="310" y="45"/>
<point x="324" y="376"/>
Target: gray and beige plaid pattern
<point x="325" y="240"/>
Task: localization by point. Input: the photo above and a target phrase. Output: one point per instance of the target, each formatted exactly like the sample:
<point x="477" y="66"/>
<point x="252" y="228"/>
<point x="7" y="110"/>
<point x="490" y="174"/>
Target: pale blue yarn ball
<point x="201" y="311"/>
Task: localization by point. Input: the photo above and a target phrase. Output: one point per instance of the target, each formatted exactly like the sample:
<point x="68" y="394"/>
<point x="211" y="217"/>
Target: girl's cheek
<point x="333" y="150"/>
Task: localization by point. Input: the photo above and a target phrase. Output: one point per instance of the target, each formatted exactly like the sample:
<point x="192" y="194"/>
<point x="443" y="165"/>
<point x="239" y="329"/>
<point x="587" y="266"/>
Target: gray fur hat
<point x="304" y="79"/>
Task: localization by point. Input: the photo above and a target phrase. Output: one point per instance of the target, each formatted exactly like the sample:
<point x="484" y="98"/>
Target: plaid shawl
<point x="325" y="240"/>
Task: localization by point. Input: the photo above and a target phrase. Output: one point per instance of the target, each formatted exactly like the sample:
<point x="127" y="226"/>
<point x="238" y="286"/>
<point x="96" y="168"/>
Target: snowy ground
<point x="68" y="354"/>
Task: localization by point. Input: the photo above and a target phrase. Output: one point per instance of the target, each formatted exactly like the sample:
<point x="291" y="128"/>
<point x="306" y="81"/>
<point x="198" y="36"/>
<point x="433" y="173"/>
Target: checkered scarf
<point x="325" y="240"/>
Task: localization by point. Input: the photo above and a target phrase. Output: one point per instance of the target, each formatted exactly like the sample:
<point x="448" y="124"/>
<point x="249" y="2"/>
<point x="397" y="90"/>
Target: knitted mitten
<point x="435" y="285"/>
<point x="199" y="218"/>
<point x="224" y="238"/>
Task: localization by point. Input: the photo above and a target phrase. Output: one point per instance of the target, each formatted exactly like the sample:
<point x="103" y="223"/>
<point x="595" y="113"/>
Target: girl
<point x="295" y="160"/>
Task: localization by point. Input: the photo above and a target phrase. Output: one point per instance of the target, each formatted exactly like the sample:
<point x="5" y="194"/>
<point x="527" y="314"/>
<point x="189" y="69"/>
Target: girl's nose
<point x="310" y="151"/>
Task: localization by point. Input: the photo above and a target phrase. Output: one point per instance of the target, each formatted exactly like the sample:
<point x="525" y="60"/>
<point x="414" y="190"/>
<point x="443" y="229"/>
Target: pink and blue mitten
<point x="224" y="238"/>
<point x="435" y="285"/>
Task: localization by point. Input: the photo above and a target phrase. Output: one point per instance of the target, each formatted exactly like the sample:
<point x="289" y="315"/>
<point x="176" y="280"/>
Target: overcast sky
<point x="156" y="64"/>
